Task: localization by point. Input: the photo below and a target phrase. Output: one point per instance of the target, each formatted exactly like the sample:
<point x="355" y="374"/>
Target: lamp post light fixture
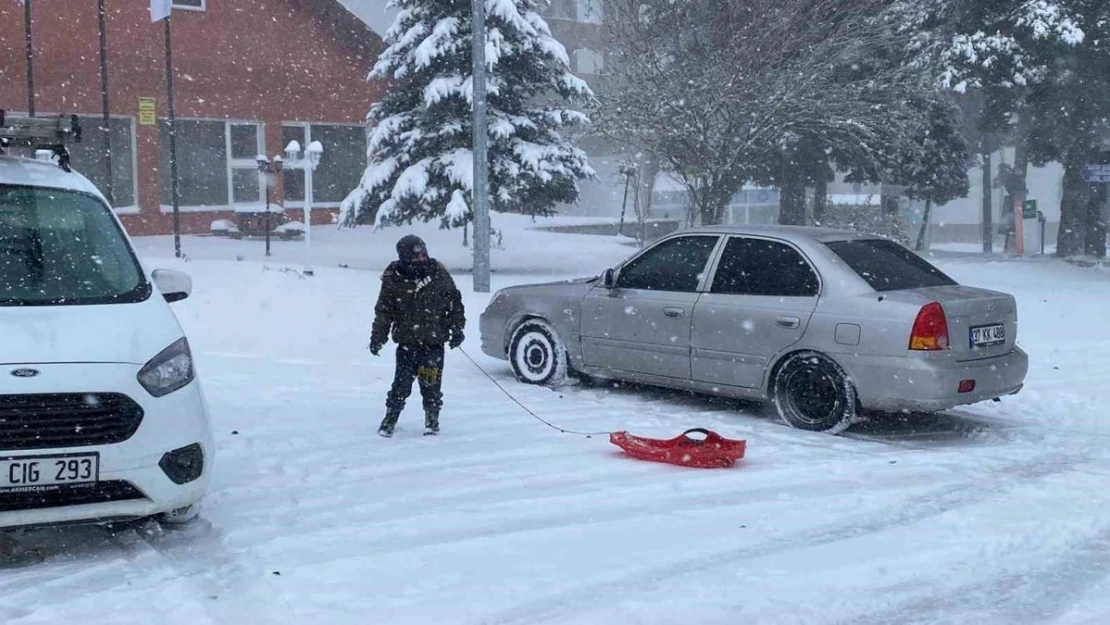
<point x="269" y="170"/>
<point x="308" y="161"/>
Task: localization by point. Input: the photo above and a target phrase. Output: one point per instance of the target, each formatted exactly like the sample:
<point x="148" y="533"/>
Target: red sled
<point x="713" y="452"/>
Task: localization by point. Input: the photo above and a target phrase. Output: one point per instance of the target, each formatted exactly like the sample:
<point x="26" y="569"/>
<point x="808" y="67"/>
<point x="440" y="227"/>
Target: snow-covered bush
<point x="866" y="219"/>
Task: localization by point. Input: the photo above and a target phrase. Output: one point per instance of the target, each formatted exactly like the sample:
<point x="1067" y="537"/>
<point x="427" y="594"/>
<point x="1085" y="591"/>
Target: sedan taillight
<point x="930" y="329"/>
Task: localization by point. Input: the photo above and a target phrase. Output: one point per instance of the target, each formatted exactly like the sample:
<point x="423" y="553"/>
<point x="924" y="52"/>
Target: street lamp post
<point x="309" y="161"/>
<point x="269" y="170"/>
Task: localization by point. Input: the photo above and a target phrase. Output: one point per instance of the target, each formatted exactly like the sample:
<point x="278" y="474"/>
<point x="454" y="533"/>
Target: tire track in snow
<point x="568" y="516"/>
<point x="593" y="487"/>
<point x="226" y="588"/>
<point x="917" y="509"/>
<point x="225" y="585"/>
<point x="1033" y="597"/>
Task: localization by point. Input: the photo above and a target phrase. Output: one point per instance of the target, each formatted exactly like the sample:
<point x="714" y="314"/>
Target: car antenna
<point x="40" y="133"/>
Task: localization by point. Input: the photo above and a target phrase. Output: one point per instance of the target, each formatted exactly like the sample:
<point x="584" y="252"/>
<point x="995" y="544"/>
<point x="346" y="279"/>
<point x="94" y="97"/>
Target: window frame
<point x="710" y="263"/>
<point x="582" y="8"/>
<point x="712" y="274"/>
<point x="242" y="163"/>
<point x="596" y="60"/>
<point x="174" y="5"/>
<point x="134" y="208"/>
<point x="306" y="127"/>
<point x="230" y="166"/>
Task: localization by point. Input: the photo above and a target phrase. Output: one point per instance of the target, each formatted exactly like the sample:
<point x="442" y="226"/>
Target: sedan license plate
<point x="982" y="336"/>
<point x="33" y="473"/>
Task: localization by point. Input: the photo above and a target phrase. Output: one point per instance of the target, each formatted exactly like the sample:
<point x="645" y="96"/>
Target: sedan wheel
<point x="811" y="392"/>
<point x="537" y="355"/>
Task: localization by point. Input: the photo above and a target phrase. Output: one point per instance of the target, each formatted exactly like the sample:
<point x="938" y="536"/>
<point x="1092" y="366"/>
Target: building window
<point x="340" y="169"/>
<point x="245" y="144"/>
<point x="587" y="62"/>
<point x="561" y="9"/>
<point x="590" y="12"/>
<point x="195" y="5"/>
<point x="88" y="158"/>
<point x="216" y="164"/>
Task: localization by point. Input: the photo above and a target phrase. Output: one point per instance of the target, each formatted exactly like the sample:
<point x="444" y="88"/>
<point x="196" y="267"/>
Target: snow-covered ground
<point x="992" y="515"/>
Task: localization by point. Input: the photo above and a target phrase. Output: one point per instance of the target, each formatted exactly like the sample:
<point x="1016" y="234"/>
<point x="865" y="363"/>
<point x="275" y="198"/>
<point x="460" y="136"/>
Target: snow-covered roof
<point x="35" y="173"/>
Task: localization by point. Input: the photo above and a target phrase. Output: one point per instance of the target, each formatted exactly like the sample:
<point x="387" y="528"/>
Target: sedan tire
<point x="811" y="392"/>
<point x="537" y="355"/>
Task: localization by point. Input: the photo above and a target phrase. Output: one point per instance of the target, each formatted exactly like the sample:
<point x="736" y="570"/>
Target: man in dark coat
<point x="422" y="308"/>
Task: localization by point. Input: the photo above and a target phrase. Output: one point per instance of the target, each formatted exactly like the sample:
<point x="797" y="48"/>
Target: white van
<point x="102" y="417"/>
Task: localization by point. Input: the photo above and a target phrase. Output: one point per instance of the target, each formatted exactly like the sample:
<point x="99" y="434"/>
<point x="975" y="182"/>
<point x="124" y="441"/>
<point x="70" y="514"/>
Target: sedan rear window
<point x="63" y="248"/>
<point x="888" y="266"/>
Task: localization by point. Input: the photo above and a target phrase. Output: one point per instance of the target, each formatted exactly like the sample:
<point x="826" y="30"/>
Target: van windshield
<point x="63" y="248"/>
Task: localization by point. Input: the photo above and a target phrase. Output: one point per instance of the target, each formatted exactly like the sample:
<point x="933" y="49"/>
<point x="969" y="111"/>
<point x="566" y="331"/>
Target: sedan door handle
<point x="674" y="312"/>
<point x="788" y="322"/>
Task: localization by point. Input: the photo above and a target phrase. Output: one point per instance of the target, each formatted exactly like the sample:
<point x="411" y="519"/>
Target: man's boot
<point x="431" y="423"/>
<point x="388" y="423"/>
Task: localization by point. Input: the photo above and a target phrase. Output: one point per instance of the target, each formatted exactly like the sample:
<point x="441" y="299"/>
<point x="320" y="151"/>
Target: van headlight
<point x="168" y="371"/>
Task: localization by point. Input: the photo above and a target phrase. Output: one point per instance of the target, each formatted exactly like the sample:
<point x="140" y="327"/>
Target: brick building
<point x="250" y="75"/>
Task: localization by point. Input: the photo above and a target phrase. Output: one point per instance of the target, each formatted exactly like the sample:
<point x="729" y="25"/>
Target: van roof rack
<point x="40" y="133"/>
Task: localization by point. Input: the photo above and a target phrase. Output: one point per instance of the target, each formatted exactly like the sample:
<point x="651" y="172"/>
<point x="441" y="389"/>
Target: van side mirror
<point x="174" y="285"/>
<point x="609" y="279"/>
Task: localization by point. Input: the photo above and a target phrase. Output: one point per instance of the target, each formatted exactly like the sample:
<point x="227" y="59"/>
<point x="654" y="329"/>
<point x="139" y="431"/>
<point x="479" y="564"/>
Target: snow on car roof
<point x="35" y="173"/>
<point x="790" y="233"/>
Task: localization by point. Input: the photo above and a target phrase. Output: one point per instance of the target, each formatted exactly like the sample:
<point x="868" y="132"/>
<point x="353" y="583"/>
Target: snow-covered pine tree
<point x="420" y="157"/>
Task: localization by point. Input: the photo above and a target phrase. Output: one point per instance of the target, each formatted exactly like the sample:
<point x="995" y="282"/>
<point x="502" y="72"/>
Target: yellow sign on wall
<point x="146" y="111"/>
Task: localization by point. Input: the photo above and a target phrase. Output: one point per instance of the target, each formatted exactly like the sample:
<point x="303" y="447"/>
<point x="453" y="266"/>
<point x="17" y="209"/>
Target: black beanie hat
<point x="409" y="246"/>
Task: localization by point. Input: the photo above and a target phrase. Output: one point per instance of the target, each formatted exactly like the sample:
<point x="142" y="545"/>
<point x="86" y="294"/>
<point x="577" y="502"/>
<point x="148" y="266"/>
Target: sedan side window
<point x="761" y="267"/>
<point x="674" y="265"/>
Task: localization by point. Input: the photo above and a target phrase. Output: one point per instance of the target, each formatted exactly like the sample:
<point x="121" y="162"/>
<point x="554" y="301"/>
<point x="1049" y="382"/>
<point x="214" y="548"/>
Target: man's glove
<point x="457" y="338"/>
<point x="375" y="347"/>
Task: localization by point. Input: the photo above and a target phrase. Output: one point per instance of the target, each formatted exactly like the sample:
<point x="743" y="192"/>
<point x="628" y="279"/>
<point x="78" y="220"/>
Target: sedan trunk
<point x="981" y="323"/>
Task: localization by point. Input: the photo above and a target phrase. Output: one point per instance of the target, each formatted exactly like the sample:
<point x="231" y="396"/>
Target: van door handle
<point x="674" y="312"/>
<point x="788" y="322"/>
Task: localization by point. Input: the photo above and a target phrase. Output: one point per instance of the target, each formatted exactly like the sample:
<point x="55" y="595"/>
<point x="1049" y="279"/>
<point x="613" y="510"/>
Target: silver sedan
<point x="821" y="323"/>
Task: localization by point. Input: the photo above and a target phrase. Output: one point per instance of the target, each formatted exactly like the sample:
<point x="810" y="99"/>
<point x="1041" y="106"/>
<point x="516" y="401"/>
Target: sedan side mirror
<point x="609" y="279"/>
<point x="174" y="285"/>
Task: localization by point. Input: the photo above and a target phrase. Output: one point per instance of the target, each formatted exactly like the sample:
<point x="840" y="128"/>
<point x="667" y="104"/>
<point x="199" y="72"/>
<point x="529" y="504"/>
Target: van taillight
<point x="930" y="329"/>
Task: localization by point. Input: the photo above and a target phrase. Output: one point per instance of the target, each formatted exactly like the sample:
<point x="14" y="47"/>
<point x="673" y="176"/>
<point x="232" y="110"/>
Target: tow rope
<point x="712" y="452"/>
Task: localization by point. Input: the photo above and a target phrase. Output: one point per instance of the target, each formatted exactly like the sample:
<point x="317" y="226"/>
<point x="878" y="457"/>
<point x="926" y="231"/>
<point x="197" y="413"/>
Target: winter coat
<point x="418" y="310"/>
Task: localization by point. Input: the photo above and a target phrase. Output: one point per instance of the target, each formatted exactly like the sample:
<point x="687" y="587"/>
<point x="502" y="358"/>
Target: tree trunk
<point x="649" y="169"/>
<point x="820" y="199"/>
<point x="710" y="199"/>
<point x="1014" y="181"/>
<point x="792" y="203"/>
<point x="713" y="208"/>
<point x="1096" y="225"/>
<point x="792" y="190"/>
<point x="1075" y="206"/>
<point x="924" y="226"/>
<point x="988" y="209"/>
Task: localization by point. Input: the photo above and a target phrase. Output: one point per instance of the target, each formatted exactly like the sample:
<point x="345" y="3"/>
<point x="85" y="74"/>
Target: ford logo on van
<point x="25" y="373"/>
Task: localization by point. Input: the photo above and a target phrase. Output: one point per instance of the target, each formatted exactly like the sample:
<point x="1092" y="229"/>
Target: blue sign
<point x="1096" y="173"/>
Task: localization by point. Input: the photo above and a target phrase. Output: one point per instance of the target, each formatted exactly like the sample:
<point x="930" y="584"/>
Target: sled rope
<point x="525" y="408"/>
